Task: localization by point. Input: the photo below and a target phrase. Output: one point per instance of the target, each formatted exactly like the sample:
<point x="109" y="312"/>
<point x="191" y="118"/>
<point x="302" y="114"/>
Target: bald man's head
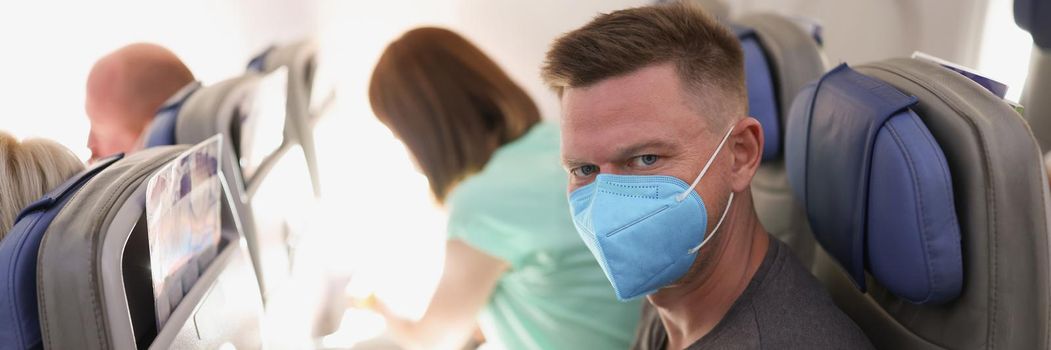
<point x="124" y="90"/>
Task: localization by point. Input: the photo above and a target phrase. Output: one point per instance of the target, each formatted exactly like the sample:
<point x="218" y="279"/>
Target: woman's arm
<point x="468" y="280"/>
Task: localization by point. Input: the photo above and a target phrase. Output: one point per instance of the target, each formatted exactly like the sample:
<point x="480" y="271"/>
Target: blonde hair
<point x="28" y="170"/>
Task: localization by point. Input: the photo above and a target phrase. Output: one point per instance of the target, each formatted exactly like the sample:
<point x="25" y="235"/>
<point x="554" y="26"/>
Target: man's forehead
<point x="645" y="107"/>
<point x="635" y="92"/>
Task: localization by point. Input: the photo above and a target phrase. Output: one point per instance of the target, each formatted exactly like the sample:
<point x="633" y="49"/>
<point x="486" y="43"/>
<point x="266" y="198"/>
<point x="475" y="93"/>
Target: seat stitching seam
<point x="991" y="331"/>
<point x="931" y="278"/>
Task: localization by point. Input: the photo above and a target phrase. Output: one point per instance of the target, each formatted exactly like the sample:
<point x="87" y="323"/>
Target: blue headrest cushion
<point x="876" y="186"/>
<point x="162" y="130"/>
<point x="258" y="63"/>
<point x="762" y="97"/>
<point x="1032" y="15"/>
<point x="818" y="33"/>
<point x="19" y="319"/>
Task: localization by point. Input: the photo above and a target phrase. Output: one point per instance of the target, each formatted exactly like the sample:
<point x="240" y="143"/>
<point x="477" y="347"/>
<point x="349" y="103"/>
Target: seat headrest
<point x="214" y="109"/>
<point x="310" y="93"/>
<point x="1032" y="16"/>
<point x="96" y="268"/>
<point x="780" y="58"/>
<point x="876" y="186"/>
<point x="811" y="26"/>
<point x="298" y="53"/>
<point x="258" y="63"/>
<point x="161" y="131"/>
<point x="19" y="320"/>
<point x="999" y="188"/>
<point x="762" y="99"/>
<point x="73" y="305"/>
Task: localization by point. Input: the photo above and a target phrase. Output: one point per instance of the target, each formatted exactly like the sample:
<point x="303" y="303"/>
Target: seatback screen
<point x="183" y="222"/>
<point x="263" y="127"/>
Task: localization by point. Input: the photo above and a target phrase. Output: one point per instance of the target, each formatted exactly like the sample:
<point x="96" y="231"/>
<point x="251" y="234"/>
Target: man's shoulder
<point x="793" y="310"/>
<point x="784" y="307"/>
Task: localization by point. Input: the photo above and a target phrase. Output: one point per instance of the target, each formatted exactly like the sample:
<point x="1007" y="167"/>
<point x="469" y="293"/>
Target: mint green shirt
<point x="555" y="295"/>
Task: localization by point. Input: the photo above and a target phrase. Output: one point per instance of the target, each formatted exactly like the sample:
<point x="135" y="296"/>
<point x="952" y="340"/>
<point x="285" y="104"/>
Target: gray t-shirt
<point x="783" y="307"/>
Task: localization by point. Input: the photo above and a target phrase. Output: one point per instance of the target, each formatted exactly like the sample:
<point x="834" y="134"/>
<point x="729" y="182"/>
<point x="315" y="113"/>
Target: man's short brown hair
<point x="706" y="54"/>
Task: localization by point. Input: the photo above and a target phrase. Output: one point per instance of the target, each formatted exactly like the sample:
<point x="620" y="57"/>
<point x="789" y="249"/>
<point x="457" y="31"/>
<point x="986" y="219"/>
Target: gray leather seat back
<point x="72" y="305"/>
<point x="220" y="109"/>
<point x="795" y="59"/>
<point x="272" y="182"/>
<point x="214" y="109"/>
<point x="94" y="281"/>
<point x="1001" y="198"/>
<point x="304" y="105"/>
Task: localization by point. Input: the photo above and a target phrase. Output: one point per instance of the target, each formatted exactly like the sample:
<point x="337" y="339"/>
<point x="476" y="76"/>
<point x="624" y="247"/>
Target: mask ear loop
<point x="716" y="229"/>
<point x="704" y="170"/>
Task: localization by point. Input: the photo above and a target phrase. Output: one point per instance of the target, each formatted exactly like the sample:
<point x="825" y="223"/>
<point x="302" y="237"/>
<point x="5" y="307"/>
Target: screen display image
<point x="183" y="222"/>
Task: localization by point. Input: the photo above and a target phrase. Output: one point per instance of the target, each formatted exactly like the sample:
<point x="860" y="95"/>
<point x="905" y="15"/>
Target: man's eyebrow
<point x="624" y="153"/>
<point x="570" y="163"/>
<point x="634" y="150"/>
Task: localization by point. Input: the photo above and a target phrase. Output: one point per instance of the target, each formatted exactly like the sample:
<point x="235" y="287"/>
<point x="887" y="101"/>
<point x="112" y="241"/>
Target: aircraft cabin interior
<point x="498" y="174"/>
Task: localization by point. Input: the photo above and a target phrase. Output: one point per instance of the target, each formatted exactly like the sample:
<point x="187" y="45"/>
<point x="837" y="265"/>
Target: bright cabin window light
<point x="1005" y="48"/>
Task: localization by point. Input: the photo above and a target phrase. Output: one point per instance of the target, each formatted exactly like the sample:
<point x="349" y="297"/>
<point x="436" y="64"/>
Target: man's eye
<point x="584" y="171"/>
<point x="644" y="161"/>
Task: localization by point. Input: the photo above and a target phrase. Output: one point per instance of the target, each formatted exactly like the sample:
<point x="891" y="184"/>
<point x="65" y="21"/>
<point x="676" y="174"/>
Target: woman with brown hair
<point x="513" y="257"/>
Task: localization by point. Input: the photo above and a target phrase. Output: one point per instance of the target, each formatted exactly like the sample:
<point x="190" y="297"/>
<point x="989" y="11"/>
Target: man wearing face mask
<point x="661" y="154"/>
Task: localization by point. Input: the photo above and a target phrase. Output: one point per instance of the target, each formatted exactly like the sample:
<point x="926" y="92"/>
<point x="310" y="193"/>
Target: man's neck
<point x="692" y="308"/>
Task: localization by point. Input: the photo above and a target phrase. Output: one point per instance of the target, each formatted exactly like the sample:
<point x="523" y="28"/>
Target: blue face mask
<point x="645" y="230"/>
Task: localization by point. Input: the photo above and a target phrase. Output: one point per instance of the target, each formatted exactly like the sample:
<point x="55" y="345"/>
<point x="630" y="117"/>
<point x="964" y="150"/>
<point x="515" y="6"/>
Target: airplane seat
<point x="272" y="184"/>
<point x="161" y="131"/>
<point x="19" y="321"/>
<point x="200" y="112"/>
<point x="300" y="60"/>
<point x="780" y="58"/>
<point x="918" y="186"/>
<point x="213" y="109"/>
<point x="1031" y="16"/>
<point x="309" y="97"/>
<point x="95" y="284"/>
<point x="258" y="63"/>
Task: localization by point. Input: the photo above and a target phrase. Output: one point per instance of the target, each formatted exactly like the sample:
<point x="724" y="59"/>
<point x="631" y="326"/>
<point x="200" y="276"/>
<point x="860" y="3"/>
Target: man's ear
<point x="746" y="145"/>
